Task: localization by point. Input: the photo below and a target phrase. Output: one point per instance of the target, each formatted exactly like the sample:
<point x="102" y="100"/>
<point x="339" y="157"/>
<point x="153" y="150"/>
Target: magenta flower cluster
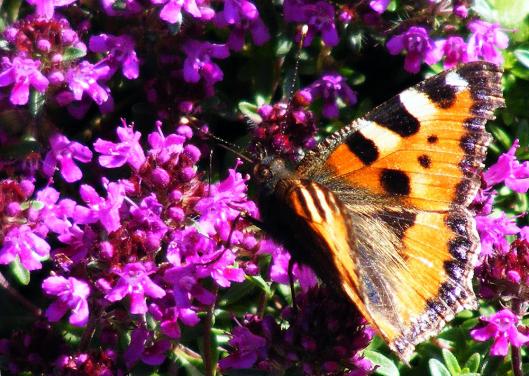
<point x="47" y="55"/>
<point x="141" y="221"/>
<point x="502" y="270"/>
<point x="484" y="43"/>
<point x="321" y="336"/>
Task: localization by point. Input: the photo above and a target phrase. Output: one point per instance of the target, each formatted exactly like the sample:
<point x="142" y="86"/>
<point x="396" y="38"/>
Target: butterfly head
<point x="269" y="171"/>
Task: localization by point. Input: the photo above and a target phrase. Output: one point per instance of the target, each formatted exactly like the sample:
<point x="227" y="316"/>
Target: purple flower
<point x="83" y="78"/>
<point x="455" y="51"/>
<point x="186" y="286"/>
<point x="244" y="16"/>
<point x="128" y="150"/>
<point x="485" y="41"/>
<point x="508" y="170"/>
<point x="248" y="349"/>
<point x="120" y="51"/>
<point x="99" y="209"/>
<point x="170" y="316"/>
<point x="418" y="46"/>
<point x="22" y="242"/>
<point x="164" y="148"/>
<point x="172" y="10"/>
<point x="134" y="281"/>
<point x="62" y="153"/>
<point x="199" y="64"/>
<point x="53" y="214"/>
<point x="330" y="87"/>
<point x="460" y="10"/>
<point x="502" y="328"/>
<point x="71" y="294"/>
<point x="319" y="16"/>
<point x="493" y="230"/>
<point x="147" y="222"/>
<point x="220" y="266"/>
<point x="279" y="267"/>
<point x="46" y="8"/>
<point x="153" y="355"/>
<point x="379" y="6"/>
<point x="22" y="73"/>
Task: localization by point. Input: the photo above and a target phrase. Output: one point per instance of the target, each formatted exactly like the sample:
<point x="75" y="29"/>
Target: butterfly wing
<point x="405" y="173"/>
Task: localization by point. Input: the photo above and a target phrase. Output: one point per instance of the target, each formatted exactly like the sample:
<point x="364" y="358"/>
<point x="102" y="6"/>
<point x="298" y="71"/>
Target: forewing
<point x="406" y="172"/>
<point x="425" y="146"/>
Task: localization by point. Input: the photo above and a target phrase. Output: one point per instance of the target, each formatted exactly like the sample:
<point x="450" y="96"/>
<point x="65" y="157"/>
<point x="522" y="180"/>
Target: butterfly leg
<point x="254" y="221"/>
<point x="264" y="227"/>
<point x="291" y="281"/>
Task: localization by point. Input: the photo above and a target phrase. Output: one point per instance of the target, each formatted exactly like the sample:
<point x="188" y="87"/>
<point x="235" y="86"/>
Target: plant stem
<point x="516" y="354"/>
<point x="209" y="367"/>
<point x="35" y="311"/>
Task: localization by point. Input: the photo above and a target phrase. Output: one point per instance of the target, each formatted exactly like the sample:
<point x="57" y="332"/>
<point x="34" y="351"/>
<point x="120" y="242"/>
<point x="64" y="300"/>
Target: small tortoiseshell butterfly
<point x="379" y="208"/>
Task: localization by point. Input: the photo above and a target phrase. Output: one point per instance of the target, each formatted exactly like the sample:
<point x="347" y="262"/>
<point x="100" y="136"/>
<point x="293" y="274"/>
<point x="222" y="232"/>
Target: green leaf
<point x="473" y="362"/>
<point x="437" y="368"/>
<point x="511" y="13"/>
<point x="260" y="283"/>
<point x="385" y="366"/>
<point x="236" y="293"/>
<point x="11" y="9"/>
<point x="36" y="102"/>
<point x="19" y="271"/>
<point x="501" y="135"/>
<point x="250" y="111"/>
<point x="465" y="314"/>
<point x="484" y="10"/>
<point x="189" y="367"/>
<point x="34" y="204"/>
<point x="451" y="362"/>
<point x="523" y="56"/>
<point x="491" y="365"/>
<point x="73" y="53"/>
<point x="283" y="46"/>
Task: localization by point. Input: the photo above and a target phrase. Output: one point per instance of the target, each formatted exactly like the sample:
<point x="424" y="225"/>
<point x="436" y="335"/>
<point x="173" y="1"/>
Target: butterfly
<point x="379" y="208"/>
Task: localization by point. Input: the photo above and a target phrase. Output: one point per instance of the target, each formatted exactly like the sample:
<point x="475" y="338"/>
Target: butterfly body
<point x="379" y="208"/>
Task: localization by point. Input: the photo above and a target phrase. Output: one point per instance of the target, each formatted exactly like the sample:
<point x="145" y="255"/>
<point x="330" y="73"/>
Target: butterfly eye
<point x="264" y="173"/>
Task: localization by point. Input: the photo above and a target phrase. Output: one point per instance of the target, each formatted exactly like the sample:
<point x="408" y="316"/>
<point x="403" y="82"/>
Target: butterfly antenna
<point x="304" y="31"/>
<point x="235" y="149"/>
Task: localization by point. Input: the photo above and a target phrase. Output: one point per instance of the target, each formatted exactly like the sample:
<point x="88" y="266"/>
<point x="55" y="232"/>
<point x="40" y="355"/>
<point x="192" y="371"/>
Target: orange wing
<point x="406" y="172"/>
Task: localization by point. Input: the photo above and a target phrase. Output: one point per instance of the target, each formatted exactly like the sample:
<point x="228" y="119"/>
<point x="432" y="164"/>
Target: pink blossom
<point x="379" y="6"/>
<point x="486" y="41"/>
<point x="134" y="281"/>
<point x="138" y="349"/>
<point x="419" y="47"/>
<point x="46" y="8"/>
<point x="502" y="328"/>
<point x="71" y="294"/>
<point x="117" y="154"/>
<point x="22" y="242"/>
<point x="84" y="78"/>
<point x="493" y="232"/>
<point x="23" y="73"/>
<point x="62" y="153"/>
<point x="106" y="211"/>
<point x="120" y="51"/>
<point x="508" y="170"/>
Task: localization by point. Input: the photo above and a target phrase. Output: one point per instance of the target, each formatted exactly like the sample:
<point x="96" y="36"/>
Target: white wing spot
<point x="455" y="80"/>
